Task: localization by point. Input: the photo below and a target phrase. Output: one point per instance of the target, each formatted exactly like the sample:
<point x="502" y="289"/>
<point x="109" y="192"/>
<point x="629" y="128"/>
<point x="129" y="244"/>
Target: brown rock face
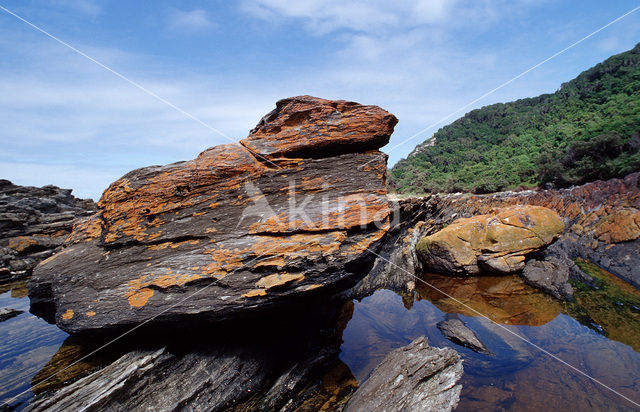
<point x="291" y="217"/>
<point x="490" y="243"/>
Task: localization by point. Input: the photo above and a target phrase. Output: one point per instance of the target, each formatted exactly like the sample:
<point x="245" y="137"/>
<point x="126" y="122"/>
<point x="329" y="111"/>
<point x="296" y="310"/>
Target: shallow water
<point x="27" y="343"/>
<point x="599" y="334"/>
<point x="517" y="376"/>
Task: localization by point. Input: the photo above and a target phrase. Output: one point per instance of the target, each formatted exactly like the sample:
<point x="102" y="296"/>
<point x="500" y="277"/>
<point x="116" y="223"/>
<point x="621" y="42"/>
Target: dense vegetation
<point x="587" y="130"/>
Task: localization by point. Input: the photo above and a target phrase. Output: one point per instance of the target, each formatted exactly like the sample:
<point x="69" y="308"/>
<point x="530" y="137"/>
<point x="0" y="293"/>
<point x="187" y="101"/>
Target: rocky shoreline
<point x="240" y="299"/>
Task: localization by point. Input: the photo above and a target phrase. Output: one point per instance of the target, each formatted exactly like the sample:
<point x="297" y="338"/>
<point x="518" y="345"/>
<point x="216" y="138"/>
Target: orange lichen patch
<point x="91" y="314"/>
<point x="86" y="229"/>
<point x="155" y="235"/>
<point x="199" y="213"/>
<point x="299" y="245"/>
<point x="173" y="245"/>
<point x="254" y="293"/>
<point x="278" y="279"/>
<point x="271" y="261"/>
<point x="140" y="298"/>
<point x="67" y="315"/>
<point x="364" y="244"/>
<point x="210" y="230"/>
<point x="214" y="205"/>
<point x="22" y="243"/>
<point x="315" y="184"/>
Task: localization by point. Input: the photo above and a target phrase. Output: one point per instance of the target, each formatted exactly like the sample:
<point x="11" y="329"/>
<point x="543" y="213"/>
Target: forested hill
<point x="587" y="130"/>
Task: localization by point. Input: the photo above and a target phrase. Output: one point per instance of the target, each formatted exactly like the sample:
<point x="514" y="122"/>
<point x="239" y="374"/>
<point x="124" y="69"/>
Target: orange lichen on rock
<point x="91" y="314"/>
<point x="67" y="315"/>
<point x="620" y="226"/>
<point x="278" y="280"/>
<point x="254" y="293"/>
<point x="22" y="243"/>
<point x="140" y="298"/>
<point x="305" y="123"/>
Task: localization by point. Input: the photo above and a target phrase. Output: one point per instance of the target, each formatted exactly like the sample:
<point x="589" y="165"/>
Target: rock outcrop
<point x="490" y="243"/>
<point x="34" y="224"/>
<point x="286" y="215"/>
<point x="457" y="332"/>
<point x="416" y="377"/>
<point x="551" y="275"/>
<point x="600" y="219"/>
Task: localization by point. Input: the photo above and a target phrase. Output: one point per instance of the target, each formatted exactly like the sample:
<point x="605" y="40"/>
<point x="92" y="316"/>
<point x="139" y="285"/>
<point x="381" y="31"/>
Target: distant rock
<point x="416" y="377"/>
<point x="496" y="243"/>
<point x="284" y="216"/>
<point x="34" y="223"/>
<point x="550" y="275"/>
<point x="457" y="332"/>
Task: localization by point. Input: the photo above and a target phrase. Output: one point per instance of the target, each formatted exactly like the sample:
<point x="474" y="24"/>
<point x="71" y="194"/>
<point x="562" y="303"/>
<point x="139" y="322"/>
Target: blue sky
<point x="68" y="122"/>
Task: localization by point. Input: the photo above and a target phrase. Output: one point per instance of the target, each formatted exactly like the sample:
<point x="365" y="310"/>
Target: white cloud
<point x="88" y="7"/>
<point x="189" y="21"/>
<point x="323" y="16"/>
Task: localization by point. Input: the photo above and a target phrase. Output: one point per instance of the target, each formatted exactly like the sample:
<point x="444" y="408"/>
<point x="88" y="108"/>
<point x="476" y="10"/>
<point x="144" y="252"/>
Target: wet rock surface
<point x="495" y="243"/>
<point x="457" y="332"/>
<point x="34" y="223"/>
<point x="263" y="224"/>
<point x="416" y="377"/>
<point x="550" y="275"/>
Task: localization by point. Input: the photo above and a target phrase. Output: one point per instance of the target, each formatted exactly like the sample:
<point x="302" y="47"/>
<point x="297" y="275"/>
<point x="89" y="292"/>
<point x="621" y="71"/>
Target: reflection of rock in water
<point x="244" y="366"/>
<point x="504" y="299"/>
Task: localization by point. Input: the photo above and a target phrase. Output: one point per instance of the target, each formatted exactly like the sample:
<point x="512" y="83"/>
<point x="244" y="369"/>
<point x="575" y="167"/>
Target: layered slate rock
<point x="416" y="377"/>
<point x="34" y="224"/>
<point x="288" y="213"/>
<point x="495" y="243"/>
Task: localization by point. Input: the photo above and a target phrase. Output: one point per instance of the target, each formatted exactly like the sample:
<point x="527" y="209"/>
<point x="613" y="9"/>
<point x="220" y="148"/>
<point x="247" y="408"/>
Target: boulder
<point x="622" y="225"/>
<point x="496" y="243"/>
<point x="287" y="214"/>
<point x="34" y="224"/>
<point x="8" y="313"/>
<point x="416" y="377"/>
<point x="550" y="275"/>
<point x="457" y="332"/>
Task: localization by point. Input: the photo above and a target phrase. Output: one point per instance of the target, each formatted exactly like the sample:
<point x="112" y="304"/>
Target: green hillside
<point x="587" y="130"/>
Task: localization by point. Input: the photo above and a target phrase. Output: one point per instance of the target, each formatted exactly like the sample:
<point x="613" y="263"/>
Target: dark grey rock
<point x="416" y="377"/>
<point x="457" y="332"/>
<point x="34" y="223"/>
<point x="550" y="275"/>
<point x="7" y="313"/>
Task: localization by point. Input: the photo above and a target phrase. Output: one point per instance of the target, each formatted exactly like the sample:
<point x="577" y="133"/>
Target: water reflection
<point x="26" y="344"/>
<point x="518" y="376"/>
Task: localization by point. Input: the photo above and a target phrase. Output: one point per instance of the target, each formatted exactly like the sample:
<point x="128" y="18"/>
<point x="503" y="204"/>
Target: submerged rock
<point x="34" y="224"/>
<point x="416" y="377"/>
<point x="287" y="214"/>
<point x="550" y="275"/>
<point x="490" y="243"/>
<point x="457" y="332"/>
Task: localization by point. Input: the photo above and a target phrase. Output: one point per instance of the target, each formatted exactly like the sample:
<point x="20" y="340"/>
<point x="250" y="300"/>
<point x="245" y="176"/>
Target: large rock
<point x="490" y="243"/>
<point x="416" y="377"/>
<point x="551" y="275"/>
<point x="34" y="224"/>
<point x="288" y="213"/>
